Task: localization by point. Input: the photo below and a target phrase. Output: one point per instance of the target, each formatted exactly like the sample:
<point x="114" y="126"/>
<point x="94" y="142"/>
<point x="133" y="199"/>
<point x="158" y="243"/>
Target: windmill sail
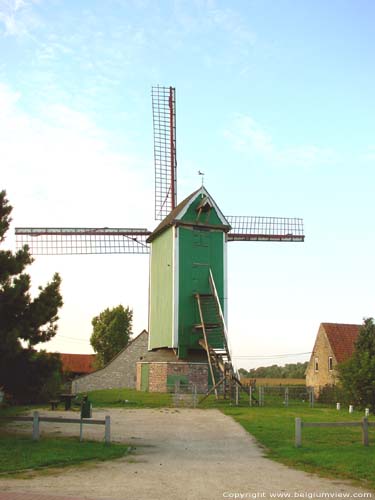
<point x="247" y="228"/>
<point x="164" y="119"/>
<point x="82" y="241"/>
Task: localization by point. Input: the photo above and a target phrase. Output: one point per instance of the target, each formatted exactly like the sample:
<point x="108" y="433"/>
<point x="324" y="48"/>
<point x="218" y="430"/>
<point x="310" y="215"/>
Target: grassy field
<point x="332" y="452"/>
<point x="21" y="453"/>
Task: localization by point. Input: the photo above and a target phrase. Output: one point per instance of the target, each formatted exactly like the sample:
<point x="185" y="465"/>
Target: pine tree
<point x="24" y="321"/>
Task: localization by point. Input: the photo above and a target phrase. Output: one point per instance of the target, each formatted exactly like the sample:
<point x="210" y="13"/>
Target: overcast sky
<point x="275" y="103"/>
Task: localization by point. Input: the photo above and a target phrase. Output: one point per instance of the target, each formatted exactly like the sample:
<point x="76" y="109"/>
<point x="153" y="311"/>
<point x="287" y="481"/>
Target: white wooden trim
<point x="225" y="255"/>
<point x="176" y="268"/>
<point x="149" y="299"/>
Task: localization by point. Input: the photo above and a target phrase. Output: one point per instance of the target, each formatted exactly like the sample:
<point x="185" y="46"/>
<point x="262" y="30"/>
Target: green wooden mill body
<point x="186" y="246"/>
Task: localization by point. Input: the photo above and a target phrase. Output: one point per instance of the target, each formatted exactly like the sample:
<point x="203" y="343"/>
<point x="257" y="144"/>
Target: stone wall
<point x="323" y="375"/>
<point x="120" y="372"/>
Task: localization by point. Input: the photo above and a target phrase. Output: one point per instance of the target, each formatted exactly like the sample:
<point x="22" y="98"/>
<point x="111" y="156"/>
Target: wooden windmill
<point x="188" y="275"/>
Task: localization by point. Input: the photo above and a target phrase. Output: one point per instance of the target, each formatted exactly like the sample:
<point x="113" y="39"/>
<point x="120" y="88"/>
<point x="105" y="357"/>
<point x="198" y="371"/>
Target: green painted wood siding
<point x="199" y="251"/>
<point x="161" y="291"/>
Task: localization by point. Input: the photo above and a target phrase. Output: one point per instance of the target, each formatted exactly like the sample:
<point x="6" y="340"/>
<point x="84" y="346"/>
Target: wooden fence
<point x="36" y="419"/>
<point x="365" y="424"/>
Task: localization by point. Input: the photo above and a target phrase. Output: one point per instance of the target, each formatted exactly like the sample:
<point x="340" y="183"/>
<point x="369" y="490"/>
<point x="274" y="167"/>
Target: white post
<point x="350" y="408"/>
<point x="107" y="429"/>
<point x="36" y="426"/>
<point x="338" y="406"/>
<point x="367" y="412"/>
<point x="298" y="432"/>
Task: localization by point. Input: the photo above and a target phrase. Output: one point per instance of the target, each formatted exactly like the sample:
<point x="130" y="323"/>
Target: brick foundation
<point x="162" y="376"/>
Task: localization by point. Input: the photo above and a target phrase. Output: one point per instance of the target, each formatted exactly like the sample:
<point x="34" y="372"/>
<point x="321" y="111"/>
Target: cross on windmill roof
<point x="187" y="302"/>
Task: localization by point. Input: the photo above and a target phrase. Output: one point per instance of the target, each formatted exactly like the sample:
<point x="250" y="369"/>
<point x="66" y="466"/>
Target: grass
<point x="21" y="453"/>
<point x="129" y="398"/>
<point x="331" y="452"/>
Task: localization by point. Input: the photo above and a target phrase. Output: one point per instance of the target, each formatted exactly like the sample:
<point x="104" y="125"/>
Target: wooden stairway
<point x="215" y="342"/>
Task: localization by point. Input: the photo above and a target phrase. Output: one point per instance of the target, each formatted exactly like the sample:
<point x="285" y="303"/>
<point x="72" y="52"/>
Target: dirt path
<point x="180" y="454"/>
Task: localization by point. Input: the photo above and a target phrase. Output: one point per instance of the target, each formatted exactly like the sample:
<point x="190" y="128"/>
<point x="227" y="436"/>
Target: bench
<point x="54" y="404"/>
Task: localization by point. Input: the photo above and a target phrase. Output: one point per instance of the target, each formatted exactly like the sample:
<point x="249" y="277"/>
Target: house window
<point x="316" y="364"/>
<point x="330" y="363"/>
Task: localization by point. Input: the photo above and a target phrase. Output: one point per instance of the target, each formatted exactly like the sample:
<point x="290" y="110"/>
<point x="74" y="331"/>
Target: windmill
<point x="188" y="338"/>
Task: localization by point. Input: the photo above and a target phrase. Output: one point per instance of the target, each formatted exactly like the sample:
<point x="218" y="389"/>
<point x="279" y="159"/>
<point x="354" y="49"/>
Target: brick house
<point x="119" y="372"/>
<point x="334" y="344"/>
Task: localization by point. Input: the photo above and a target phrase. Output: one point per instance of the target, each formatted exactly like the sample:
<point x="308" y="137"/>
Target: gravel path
<point x="180" y="454"/>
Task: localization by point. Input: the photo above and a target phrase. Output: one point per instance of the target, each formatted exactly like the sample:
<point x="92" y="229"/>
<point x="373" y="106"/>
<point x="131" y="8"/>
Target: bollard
<point x="338" y="406"/>
<point x="298" y="432"/>
<point x="351" y="408"/>
<point x="36" y="426"/>
<point x="107" y="429"/>
<point x="365" y="438"/>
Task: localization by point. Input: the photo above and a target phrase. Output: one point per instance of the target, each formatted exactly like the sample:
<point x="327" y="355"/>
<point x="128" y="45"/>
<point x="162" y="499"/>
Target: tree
<point x="290" y="370"/>
<point x="111" y="332"/>
<point x="357" y="374"/>
<point x="24" y="321"/>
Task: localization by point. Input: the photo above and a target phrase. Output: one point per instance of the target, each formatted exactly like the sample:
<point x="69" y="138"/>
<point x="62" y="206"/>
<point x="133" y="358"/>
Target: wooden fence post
<point x="298" y="432"/>
<point x="107" y="429"/>
<point x="36" y="426"/>
<point x="365" y="438"/>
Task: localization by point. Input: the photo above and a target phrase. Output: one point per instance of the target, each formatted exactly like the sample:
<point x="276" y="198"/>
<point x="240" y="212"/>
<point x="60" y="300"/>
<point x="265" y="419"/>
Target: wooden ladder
<point x="215" y="342"/>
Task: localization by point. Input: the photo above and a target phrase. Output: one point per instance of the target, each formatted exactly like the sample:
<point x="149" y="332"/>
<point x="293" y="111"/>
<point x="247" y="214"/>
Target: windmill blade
<point x="246" y="228"/>
<point x="164" y="119"/>
<point x="82" y="241"/>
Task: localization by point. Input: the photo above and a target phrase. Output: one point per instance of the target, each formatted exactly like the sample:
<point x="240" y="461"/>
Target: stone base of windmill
<point x="162" y="371"/>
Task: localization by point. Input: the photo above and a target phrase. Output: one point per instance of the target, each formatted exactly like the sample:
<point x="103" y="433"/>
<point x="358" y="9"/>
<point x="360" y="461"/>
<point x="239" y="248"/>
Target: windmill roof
<point x="77" y="363"/>
<point x="175" y="214"/>
<point x="342" y="339"/>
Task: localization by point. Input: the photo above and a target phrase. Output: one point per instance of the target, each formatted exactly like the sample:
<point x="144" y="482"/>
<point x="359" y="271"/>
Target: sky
<point x="275" y="104"/>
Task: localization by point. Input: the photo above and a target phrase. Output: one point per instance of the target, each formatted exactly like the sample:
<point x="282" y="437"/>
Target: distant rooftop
<point x="78" y="363"/>
<point x="342" y="338"/>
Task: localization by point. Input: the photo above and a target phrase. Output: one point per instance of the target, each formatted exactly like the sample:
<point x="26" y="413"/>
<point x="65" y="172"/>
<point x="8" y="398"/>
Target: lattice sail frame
<point x="83" y="241"/>
<point x="247" y="228"/>
<point x="164" y="120"/>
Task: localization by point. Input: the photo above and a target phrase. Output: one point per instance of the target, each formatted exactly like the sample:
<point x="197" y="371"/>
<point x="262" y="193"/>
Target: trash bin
<point x="86" y="408"/>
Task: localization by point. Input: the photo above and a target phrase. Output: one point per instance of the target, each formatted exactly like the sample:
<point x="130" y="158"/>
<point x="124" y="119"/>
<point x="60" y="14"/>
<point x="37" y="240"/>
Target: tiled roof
<point x="77" y="363"/>
<point x="342" y="338"/>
